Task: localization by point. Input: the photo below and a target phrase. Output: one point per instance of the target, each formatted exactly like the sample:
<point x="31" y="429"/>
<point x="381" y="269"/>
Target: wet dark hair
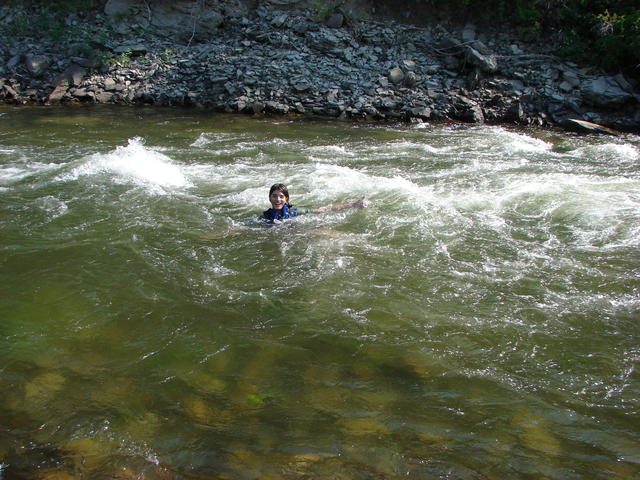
<point x="280" y="187"/>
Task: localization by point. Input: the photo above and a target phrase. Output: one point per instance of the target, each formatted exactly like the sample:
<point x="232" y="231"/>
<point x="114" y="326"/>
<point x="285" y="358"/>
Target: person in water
<point x="282" y="209"/>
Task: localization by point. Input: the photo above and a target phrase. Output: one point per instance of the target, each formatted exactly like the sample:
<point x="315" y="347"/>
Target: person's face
<point x="278" y="199"/>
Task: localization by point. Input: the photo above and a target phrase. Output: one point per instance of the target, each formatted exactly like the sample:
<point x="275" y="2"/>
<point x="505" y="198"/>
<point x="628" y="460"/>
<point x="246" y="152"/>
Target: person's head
<point x="278" y="196"/>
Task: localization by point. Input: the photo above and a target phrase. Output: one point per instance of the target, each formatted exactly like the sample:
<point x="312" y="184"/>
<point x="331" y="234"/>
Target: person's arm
<point x="362" y="203"/>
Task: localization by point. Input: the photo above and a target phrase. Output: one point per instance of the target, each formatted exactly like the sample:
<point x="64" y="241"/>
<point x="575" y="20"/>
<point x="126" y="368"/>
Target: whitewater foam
<point x="11" y="174"/>
<point x="134" y="163"/>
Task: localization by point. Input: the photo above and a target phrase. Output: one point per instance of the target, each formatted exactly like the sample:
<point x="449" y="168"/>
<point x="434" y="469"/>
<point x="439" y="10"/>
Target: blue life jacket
<point x="288" y="211"/>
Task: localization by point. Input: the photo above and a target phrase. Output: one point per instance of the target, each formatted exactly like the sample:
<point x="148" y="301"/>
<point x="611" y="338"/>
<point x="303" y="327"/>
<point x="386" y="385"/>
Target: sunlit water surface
<point x="479" y="320"/>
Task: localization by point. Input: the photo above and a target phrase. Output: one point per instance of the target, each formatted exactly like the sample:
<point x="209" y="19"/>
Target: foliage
<point x="325" y="9"/>
<point x="122" y="60"/>
<point x="49" y="22"/>
<point x="71" y="5"/>
<point x="59" y="21"/>
<point x="604" y="32"/>
<point x="168" y="55"/>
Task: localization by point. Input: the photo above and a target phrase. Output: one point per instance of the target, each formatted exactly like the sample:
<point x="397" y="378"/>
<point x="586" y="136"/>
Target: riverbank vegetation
<point x="606" y="33"/>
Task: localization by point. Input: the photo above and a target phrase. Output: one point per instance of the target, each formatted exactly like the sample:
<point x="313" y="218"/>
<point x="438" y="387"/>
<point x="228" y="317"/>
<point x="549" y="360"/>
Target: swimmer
<point x="281" y="208"/>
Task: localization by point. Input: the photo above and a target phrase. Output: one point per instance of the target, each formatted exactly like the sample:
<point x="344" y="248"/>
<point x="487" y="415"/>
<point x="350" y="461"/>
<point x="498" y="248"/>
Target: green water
<point x="478" y="320"/>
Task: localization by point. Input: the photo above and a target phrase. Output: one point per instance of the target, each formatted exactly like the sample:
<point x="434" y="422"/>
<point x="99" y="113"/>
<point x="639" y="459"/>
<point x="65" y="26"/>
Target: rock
<point x="13" y="62"/>
<point x="10" y="92"/>
<point x="83" y="94"/>
<point x="624" y="83"/>
<point x="109" y="84"/>
<point x="396" y="75"/>
<point x="276" y="107"/>
<point x="481" y="47"/>
<point x="515" y="113"/>
<point x="179" y="18"/>
<point x="116" y="8"/>
<point x="72" y="76"/>
<point x="486" y="63"/>
<point x="37" y="64"/>
<point x="450" y="46"/>
<point x="451" y="63"/>
<point x="409" y="64"/>
<point x="604" y="92"/>
<point x="131" y="48"/>
<point x="258" y="65"/>
<point x="421" y="112"/>
<point x="335" y="20"/>
<point x="469" y="33"/>
<point x="571" y="78"/>
<point x="301" y="87"/>
<point x="58" y="94"/>
<point x="103" y="97"/>
<point x="258" y="107"/>
<point x="467" y="110"/>
<point x="410" y="79"/>
<point x="300" y="27"/>
<point x="474" y="114"/>
<point x="279" y="21"/>
<point x="566" y="86"/>
<point x="323" y="41"/>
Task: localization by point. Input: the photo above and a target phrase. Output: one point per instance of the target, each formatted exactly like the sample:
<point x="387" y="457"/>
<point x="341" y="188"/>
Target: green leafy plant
<point x="122" y="60"/>
<point x="168" y="55"/>
<point x="325" y="9"/>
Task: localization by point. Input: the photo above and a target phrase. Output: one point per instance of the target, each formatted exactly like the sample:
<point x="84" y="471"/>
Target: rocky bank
<point x="291" y="57"/>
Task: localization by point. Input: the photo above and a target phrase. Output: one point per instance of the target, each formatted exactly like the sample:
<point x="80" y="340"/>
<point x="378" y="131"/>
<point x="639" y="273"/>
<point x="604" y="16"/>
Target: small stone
<point x="421" y="112"/>
<point x="335" y="20"/>
<point x="410" y="79"/>
<point x="566" y="87"/>
<point x="109" y="84"/>
<point x="409" y="64"/>
<point x="118" y="7"/>
<point x="279" y="21"/>
<point x="13" y="63"/>
<point x="469" y="33"/>
<point x="396" y="75"/>
<point x="301" y="87"/>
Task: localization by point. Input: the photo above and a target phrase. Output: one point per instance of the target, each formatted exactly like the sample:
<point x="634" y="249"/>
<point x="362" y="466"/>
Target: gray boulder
<point x="72" y="76"/>
<point x="57" y="94"/>
<point x="114" y="8"/>
<point x="604" y="92"/>
<point x="323" y="41"/>
<point x="486" y="63"/>
<point x="179" y="17"/>
<point x="335" y="20"/>
<point x="396" y="75"/>
<point x="469" y="33"/>
<point x="37" y="64"/>
<point x="13" y="62"/>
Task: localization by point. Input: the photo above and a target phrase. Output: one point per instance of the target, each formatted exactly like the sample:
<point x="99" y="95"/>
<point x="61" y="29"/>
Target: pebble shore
<point x="273" y="61"/>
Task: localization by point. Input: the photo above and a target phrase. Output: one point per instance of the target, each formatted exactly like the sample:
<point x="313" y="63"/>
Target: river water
<point x="478" y="320"/>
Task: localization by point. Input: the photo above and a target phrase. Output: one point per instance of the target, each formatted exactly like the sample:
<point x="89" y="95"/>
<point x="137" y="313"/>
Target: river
<point x="478" y="320"/>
